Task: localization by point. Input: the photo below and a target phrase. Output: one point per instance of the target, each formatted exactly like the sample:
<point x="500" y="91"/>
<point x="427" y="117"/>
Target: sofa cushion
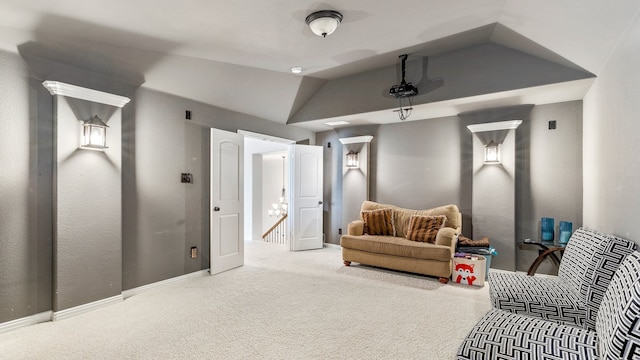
<point x="378" y="222"/>
<point x="401" y="216"/>
<point x="396" y="246"/>
<point x="425" y="228"/>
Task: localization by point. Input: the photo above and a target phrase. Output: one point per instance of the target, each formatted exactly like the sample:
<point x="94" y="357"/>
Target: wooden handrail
<point x="275" y="225"/>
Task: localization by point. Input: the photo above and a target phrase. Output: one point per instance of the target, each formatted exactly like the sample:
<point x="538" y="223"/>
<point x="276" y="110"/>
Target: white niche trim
<point x="78" y="92"/>
<point x="356" y="140"/>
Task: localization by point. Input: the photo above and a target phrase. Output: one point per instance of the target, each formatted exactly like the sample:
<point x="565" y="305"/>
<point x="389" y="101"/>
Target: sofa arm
<point x="447" y="237"/>
<point x="356" y="228"/>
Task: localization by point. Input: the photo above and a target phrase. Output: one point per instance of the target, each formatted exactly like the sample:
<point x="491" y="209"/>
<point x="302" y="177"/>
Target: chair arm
<point x="447" y="237"/>
<point x="356" y="228"/>
<point x="549" y="252"/>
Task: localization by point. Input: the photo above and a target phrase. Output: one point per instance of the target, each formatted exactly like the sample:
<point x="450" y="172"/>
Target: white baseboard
<point x="144" y="288"/>
<point x="81" y="309"/>
<point x="26" y="321"/>
<point x="333" y="245"/>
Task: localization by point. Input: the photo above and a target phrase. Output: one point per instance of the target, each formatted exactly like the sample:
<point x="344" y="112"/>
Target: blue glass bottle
<point x="547" y="229"/>
<point x="565" y="232"/>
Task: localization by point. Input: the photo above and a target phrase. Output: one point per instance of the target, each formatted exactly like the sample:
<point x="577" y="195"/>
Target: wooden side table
<point x="547" y="250"/>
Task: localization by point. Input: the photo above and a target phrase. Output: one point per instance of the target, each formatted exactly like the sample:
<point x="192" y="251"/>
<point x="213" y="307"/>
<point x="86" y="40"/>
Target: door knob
<point x="216" y="209"/>
<point x="319" y="202"/>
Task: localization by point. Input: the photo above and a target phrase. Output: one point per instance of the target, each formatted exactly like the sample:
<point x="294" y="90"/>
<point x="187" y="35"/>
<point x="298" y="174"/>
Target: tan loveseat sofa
<point x="399" y="253"/>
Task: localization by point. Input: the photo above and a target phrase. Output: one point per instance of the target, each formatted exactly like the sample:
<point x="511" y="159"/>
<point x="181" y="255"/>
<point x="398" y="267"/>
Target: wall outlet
<point x="552" y="124"/>
<point x="340" y="231"/>
<point x="186" y="178"/>
<point x="187" y="114"/>
<point x="194" y="252"/>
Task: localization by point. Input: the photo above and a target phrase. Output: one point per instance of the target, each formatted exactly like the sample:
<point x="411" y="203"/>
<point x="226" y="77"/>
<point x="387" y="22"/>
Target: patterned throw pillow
<point x="378" y="222"/>
<point x="425" y="228"/>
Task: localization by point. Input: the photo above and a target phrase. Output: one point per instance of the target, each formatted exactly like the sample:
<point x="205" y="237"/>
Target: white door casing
<point x="227" y="177"/>
<point x="306" y="197"/>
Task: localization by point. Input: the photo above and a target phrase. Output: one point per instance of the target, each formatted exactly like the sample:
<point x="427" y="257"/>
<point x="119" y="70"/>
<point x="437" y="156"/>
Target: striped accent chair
<point x="506" y="335"/>
<point x="573" y="297"/>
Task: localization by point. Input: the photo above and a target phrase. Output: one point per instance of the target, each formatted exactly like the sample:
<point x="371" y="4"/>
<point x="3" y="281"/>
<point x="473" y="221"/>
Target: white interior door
<point x="306" y="197"/>
<point x="227" y="227"/>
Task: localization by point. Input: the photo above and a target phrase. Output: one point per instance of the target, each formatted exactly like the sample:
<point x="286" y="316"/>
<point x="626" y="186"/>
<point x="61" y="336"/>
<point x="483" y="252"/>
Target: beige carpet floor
<point x="280" y="305"/>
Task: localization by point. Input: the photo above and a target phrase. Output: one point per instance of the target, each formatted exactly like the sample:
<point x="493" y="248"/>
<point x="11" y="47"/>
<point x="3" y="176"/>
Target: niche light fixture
<point x="492" y="153"/>
<point x="94" y="134"/>
<point x="352" y="160"/>
<point x="324" y="22"/>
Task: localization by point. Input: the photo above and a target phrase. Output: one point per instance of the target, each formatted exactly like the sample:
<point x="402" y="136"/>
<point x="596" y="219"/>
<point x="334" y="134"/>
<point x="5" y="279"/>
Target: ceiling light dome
<point x="324" y="22"/>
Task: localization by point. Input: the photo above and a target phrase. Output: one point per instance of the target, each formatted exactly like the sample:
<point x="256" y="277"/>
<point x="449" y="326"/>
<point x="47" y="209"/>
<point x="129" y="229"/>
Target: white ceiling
<point x="237" y="54"/>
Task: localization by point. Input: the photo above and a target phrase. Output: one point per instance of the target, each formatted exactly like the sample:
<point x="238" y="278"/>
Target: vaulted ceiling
<point x="237" y="54"/>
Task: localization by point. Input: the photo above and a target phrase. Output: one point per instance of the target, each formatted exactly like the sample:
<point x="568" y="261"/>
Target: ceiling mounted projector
<point x="405" y="89"/>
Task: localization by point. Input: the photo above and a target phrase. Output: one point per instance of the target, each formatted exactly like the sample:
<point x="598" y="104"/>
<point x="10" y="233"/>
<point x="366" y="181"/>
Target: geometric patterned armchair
<point x="573" y="297"/>
<point x="506" y="335"/>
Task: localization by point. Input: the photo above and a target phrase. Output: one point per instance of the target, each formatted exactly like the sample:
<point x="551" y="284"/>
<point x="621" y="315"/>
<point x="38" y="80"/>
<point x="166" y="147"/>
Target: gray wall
<point x="164" y="218"/>
<point x="493" y="197"/>
<point x="161" y="218"/>
<point x="610" y="146"/>
<point x="355" y="182"/>
<point x="26" y="158"/>
<point x="549" y="174"/>
<point x="428" y="163"/>
<point x="87" y="207"/>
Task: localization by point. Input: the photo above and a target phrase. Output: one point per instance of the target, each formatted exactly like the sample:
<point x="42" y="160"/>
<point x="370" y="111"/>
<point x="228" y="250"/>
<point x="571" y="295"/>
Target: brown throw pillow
<point x="378" y="222"/>
<point x="425" y="228"/>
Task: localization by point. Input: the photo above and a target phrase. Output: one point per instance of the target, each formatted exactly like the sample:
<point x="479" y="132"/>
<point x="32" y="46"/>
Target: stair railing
<point x="277" y="234"/>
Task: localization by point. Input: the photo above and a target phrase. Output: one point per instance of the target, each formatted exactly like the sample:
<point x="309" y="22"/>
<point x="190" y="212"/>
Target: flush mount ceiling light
<point x="296" y="69"/>
<point x="324" y="22"/>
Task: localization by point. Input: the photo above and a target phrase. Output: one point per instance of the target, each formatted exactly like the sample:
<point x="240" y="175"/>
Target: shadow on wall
<point x="92" y="64"/>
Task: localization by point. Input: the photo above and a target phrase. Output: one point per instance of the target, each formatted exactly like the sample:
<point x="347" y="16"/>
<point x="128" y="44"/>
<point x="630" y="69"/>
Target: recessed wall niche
<point x="87" y="203"/>
<point x="355" y="179"/>
<point x="493" y="194"/>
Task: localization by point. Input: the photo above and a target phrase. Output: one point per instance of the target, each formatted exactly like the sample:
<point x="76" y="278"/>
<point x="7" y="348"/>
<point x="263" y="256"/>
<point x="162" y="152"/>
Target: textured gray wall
<point x="26" y="158"/>
<point x="549" y="174"/>
<point x="416" y="164"/>
<point x="161" y="218"/>
<point x="87" y="208"/>
<point x="355" y="182"/>
<point x="164" y="218"/>
<point x="493" y="199"/>
<point x="427" y="163"/>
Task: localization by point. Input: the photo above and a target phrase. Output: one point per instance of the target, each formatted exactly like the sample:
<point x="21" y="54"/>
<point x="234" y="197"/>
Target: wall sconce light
<point x="94" y="134"/>
<point x="492" y="153"/>
<point x="353" y="160"/>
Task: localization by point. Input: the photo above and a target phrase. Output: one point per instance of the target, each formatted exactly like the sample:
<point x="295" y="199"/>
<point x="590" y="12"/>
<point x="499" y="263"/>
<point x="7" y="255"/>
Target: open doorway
<point x="264" y="180"/>
<point x="299" y="173"/>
